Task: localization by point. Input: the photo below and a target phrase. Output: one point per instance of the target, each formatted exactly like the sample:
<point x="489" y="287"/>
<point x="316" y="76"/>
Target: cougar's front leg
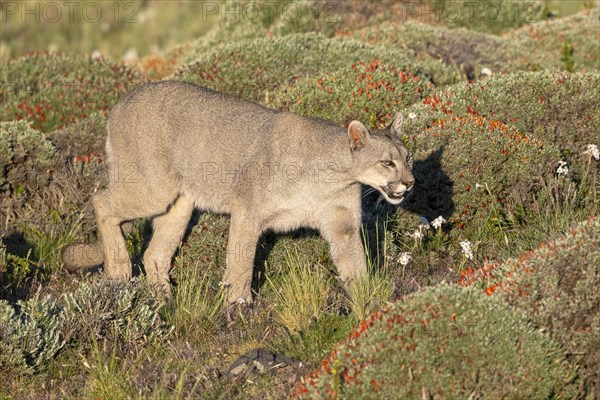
<point x="342" y="230"/>
<point x="241" y="248"/>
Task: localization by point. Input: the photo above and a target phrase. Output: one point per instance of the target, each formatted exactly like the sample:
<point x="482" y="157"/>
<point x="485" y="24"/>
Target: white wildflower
<point x="562" y="168"/>
<point x="412" y="115"/>
<point x="404" y="258"/>
<point x="486" y="72"/>
<point x="96" y="55"/>
<point x="592" y="150"/>
<point x="466" y="249"/>
<point x="416" y="234"/>
<point x="437" y="223"/>
<point x="478" y="186"/>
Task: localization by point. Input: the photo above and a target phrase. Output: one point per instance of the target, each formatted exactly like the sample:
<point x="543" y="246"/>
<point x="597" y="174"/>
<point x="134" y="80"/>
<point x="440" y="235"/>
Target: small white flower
<point x="466" y="249"/>
<point x="96" y="55"/>
<point x="562" y="168"/>
<point x="437" y="223"/>
<point x="486" y="72"/>
<point x="416" y="234"/>
<point x="404" y="258"/>
<point x="412" y="115"/>
<point x="423" y="222"/>
<point x="592" y="150"/>
<point x="478" y="186"/>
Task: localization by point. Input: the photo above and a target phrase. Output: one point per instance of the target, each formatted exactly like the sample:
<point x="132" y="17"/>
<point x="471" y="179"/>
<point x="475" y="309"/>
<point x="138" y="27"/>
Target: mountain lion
<point x="173" y="146"/>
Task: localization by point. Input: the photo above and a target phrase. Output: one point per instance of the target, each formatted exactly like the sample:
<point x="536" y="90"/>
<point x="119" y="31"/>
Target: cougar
<point x="174" y="146"/>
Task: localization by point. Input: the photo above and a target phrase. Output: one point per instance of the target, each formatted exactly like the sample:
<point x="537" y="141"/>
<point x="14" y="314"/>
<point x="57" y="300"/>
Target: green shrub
<point x="368" y="91"/>
<point x="566" y="43"/>
<point x="125" y="314"/>
<point x="476" y="197"/>
<point x="443" y="342"/>
<point x="83" y="138"/>
<point x="556" y="285"/>
<point x="25" y="156"/>
<point x="55" y="90"/>
<point x="250" y="70"/>
<point x="491" y="16"/>
<point x="464" y="49"/>
<point x="558" y="108"/>
<point x="29" y="337"/>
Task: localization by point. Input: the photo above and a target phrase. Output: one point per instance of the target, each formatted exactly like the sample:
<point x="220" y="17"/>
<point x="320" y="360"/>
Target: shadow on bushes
<point x="431" y="197"/>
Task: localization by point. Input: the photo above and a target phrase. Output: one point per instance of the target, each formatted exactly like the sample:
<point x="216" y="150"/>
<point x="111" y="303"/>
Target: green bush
<point x="25" y="156"/>
<point x="123" y="313"/>
<point x="30" y="337"/>
<point x="559" y="108"/>
<point x="566" y="43"/>
<point x="464" y="49"/>
<point x="55" y="90"/>
<point x="444" y="342"/>
<point x="250" y="70"/>
<point x="368" y="91"/>
<point x="472" y="195"/>
<point x="491" y="16"/>
<point x="556" y="285"/>
<point x="83" y="138"/>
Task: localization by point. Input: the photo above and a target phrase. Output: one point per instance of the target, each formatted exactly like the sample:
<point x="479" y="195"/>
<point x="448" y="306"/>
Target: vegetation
<point x="501" y="114"/>
<point x="447" y="343"/>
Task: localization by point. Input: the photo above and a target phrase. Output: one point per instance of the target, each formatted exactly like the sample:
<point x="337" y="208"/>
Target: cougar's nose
<point x="409" y="184"/>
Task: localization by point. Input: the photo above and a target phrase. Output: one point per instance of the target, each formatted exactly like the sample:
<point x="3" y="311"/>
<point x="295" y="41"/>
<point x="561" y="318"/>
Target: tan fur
<point x="173" y="146"/>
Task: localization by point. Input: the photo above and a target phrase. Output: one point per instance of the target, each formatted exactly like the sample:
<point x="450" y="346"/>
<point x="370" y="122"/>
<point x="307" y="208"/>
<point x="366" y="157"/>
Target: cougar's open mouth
<point x="393" y="197"/>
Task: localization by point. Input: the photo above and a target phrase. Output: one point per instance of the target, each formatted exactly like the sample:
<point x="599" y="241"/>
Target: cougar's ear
<point x="396" y="127"/>
<point x="358" y="135"/>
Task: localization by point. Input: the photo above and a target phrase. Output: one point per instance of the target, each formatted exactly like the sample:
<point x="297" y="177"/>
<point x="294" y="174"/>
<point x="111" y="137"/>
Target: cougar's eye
<point x="387" y="163"/>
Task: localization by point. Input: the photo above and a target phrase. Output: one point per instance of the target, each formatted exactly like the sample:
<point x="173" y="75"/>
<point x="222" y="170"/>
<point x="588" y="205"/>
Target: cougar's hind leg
<point x="169" y="229"/>
<point x="115" y="206"/>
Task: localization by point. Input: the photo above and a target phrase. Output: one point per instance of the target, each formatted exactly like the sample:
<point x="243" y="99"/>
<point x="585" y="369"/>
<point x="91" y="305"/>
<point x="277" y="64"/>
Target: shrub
<point x="83" y="138"/>
<point x="491" y="16"/>
<point x="464" y="49"/>
<point x="30" y="337"/>
<point x="125" y="314"/>
<point x="556" y="107"/>
<point x="443" y="342"/>
<point x="472" y="195"/>
<point x="248" y="69"/>
<point x="556" y="285"/>
<point x="55" y="90"/>
<point x="371" y="92"/>
<point x="566" y="43"/>
<point x="25" y="156"/>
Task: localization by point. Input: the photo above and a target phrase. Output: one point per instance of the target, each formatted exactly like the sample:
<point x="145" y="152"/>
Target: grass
<point x="86" y="337"/>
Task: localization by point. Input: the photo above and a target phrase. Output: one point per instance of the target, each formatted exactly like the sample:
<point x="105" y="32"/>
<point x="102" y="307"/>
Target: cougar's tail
<point x="80" y="257"/>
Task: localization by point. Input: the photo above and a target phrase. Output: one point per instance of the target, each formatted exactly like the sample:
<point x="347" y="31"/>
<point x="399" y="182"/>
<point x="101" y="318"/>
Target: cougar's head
<point x="381" y="160"/>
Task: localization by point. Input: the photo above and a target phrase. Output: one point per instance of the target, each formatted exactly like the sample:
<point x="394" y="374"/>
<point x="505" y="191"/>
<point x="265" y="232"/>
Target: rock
<point x="258" y="361"/>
